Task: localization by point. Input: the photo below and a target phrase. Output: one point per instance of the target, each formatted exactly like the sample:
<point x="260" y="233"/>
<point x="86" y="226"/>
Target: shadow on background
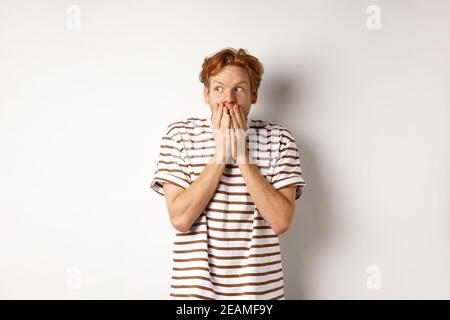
<point x="312" y="224"/>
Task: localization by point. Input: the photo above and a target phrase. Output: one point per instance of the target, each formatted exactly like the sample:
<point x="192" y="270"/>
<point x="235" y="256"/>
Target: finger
<point x="225" y="111"/>
<point x="239" y="117"/>
<point x="223" y="123"/>
<point x="214" y="111"/>
<point x="235" y="123"/>
<point x="226" y="118"/>
<point x="214" y="115"/>
<point x="244" y="115"/>
<point x="219" y="111"/>
<point x="240" y="110"/>
<point x="226" y="132"/>
<point x="244" y="119"/>
<point x="226" y="125"/>
<point x="232" y="128"/>
<point x="219" y="116"/>
<point x="238" y="122"/>
<point x="233" y="141"/>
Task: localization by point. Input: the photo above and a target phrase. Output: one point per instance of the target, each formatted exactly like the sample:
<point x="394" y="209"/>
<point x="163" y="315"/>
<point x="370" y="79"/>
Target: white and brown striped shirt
<point x="230" y="252"/>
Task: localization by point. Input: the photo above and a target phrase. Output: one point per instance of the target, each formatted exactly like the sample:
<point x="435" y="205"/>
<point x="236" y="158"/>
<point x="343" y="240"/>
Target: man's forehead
<point x="239" y="81"/>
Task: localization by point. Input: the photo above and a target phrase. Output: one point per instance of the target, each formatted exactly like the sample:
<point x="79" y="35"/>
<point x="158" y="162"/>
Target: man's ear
<point x="206" y="94"/>
<point x="254" y="97"/>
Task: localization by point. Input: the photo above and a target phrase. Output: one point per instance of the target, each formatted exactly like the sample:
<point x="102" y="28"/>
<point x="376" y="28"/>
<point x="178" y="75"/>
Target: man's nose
<point x="228" y="97"/>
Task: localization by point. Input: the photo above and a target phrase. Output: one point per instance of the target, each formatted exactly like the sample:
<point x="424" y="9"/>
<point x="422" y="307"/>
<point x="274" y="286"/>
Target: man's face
<point x="231" y="86"/>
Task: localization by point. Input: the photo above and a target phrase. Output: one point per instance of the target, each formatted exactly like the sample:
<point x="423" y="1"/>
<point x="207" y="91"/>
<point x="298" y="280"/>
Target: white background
<point x="82" y="112"/>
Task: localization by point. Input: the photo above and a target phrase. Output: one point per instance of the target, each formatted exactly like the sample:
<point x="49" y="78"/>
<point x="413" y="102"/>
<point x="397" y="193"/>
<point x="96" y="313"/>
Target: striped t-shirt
<point x="230" y="252"/>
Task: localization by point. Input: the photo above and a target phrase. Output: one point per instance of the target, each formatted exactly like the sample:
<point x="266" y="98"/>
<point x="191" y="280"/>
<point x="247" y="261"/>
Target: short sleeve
<point x="287" y="165"/>
<point x="171" y="166"/>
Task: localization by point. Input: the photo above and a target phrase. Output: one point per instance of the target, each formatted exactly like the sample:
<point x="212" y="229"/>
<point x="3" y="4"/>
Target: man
<point x="230" y="184"/>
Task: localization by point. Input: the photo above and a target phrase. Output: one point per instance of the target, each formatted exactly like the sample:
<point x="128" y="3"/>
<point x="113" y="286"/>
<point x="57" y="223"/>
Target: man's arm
<point x="186" y="205"/>
<point x="276" y="206"/>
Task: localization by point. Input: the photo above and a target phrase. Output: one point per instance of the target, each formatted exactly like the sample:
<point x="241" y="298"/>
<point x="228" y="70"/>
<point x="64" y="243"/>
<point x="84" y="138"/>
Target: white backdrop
<point x="88" y="88"/>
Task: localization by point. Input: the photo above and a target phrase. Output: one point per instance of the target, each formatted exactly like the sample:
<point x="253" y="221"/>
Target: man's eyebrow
<point x="236" y="83"/>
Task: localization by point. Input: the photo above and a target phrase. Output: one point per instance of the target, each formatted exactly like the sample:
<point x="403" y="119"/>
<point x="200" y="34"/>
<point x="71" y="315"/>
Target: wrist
<point x="245" y="160"/>
<point x="215" y="160"/>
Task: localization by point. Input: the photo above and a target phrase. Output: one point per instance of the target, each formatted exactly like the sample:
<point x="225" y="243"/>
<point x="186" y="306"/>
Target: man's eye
<point x="216" y="88"/>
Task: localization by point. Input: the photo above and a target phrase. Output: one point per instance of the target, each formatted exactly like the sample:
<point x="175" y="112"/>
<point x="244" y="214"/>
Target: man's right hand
<point x="221" y="125"/>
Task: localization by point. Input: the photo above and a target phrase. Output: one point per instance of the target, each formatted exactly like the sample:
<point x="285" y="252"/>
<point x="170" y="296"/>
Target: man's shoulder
<point x="272" y="127"/>
<point x="186" y="124"/>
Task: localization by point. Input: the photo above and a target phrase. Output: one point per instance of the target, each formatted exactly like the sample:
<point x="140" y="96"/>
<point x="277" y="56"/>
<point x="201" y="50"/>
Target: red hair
<point x="232" y="57"/>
